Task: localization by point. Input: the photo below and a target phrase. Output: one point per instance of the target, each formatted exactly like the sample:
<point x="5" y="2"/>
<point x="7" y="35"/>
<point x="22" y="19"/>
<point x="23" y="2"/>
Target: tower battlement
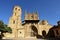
<point x="31" y="16"/>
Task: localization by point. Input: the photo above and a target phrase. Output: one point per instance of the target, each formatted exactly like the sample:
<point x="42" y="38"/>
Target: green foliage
<point x="1" y="24"/>
<point x="4" y="29"/>
<point x="7" y="29"/>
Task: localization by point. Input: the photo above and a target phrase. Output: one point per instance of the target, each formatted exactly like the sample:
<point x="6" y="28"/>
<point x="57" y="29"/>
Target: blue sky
<point x="47" y="9"/>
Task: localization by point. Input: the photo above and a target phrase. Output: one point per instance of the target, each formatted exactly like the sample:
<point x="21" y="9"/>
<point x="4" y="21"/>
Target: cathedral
<point x="29" y="27"/>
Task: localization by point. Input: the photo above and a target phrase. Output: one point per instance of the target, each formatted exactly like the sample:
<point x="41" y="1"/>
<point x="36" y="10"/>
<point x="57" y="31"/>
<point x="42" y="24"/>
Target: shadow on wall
<point x="54" y="32"/>
<point x="43" y="34"/>
<point x="51" y="33"/>
<point x="35" y="31"/>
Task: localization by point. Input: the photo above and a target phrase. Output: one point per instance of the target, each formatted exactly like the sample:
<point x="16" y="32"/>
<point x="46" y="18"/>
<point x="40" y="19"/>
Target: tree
<point x="4" y="29"/>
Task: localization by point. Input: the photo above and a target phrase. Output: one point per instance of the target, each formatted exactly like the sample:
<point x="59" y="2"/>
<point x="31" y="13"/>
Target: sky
<point x="47" y="9"/>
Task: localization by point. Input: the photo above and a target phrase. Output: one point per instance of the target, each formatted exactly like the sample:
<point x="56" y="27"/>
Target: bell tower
<point x="15" y="21"/>
<point x="17" y="12"/>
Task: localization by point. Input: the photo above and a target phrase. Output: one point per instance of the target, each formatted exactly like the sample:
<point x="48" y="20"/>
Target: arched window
<point x="18" y="9"/>
<point x="44" y="33"/>
<point x="15" y="8"/>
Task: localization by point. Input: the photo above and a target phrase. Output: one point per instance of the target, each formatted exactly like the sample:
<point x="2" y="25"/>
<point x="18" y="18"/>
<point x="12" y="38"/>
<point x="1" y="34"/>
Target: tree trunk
<point x="1" y="36"/>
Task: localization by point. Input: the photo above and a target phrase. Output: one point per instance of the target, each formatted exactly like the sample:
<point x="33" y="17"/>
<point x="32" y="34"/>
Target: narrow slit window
<point x="13" y="22"/>
<point x="15" y="14"/>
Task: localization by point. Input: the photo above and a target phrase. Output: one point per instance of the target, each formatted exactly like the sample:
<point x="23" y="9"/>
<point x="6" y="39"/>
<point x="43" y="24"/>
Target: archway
<point x="34" y="31"/>
<point x="44" y="34"/>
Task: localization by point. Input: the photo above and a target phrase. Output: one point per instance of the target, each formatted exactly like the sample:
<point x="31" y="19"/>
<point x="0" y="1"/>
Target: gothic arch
<point x="44" y="33"/>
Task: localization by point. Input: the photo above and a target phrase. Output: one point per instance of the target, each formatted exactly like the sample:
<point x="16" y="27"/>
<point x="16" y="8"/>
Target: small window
<point x="20" y="32"/>
<point x="18" y="9"/>
<point x="13" y="22"/>
<point x="15" y="8"/>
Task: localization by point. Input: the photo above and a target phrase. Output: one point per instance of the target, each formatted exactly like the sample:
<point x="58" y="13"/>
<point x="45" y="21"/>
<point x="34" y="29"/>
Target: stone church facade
<point x="30" y="26"/>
